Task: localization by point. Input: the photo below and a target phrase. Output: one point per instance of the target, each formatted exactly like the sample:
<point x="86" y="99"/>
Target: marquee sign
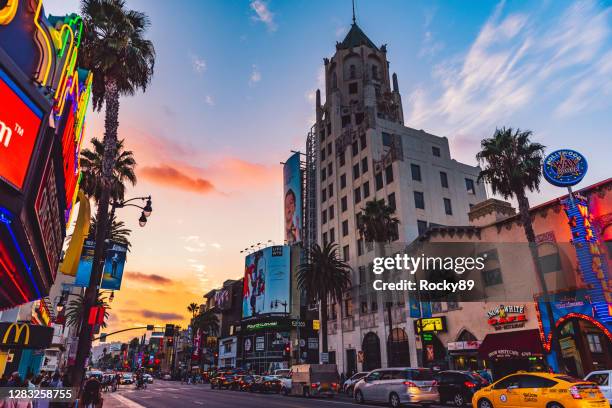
<point x="430" y="325"/>
<point x="20" y="120"/>
<point x="507" y="317"/>
<point x="564" y="168"/>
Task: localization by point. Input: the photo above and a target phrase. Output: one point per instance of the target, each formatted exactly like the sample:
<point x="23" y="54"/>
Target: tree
<point x="117" y="231"/>
<point x="91" y="169"/>
<point x="193" y="309"/>
<point x="206" y="321"/>
<point x="121" y="59"/>
<point x="512" y="164"/>
<point x="323" y="278"/>
<point x="75" y="307"/>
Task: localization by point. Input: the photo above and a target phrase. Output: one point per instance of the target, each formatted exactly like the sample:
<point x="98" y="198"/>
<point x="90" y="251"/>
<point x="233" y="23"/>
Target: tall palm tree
<point x="91" y="169"/>
<point x="75" y="307"/>
<point x="324" y="277"/>
<point x="512" y="164"/>
<point x="193" y="309"/>
<point x="121" y="59"/>
<point x="117" y="232"/>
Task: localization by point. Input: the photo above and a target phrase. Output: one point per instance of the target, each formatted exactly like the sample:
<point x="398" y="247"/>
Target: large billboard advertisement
<point x="292" y="178"/>
<point x="20" y="120"/>
<point x="113" y="266"/>
<point x="267" y="282"/>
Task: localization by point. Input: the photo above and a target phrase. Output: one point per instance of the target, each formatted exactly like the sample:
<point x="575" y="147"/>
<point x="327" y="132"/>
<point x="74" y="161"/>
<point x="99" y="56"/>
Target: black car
<point x="266" y="384"/>
<point x="458" y="387"/>
<point x="221" y="380"/>
<point x="245" y="382"/>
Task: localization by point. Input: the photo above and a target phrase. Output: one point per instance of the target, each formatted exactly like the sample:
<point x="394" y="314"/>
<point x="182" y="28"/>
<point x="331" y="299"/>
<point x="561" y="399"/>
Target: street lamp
<point x="142" y="221"/>
<point x="147" y="209"/>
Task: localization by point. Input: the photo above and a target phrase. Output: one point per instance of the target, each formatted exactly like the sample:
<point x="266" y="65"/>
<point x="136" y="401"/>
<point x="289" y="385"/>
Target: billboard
<point x="84" y="269"/>
<point x="292" y="178"/>
<point x="20" y="120"/>
<point x="113" y="266"/>
<point x="267" y="282"/>
<point x="223" y="299"/>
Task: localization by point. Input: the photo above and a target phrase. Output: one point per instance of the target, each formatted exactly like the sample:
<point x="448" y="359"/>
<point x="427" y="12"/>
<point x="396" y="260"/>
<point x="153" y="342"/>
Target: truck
<point x="312" y="380"/>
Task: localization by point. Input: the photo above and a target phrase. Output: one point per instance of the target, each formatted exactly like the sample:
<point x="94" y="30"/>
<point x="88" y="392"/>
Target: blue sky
<point x="233" y="93"/>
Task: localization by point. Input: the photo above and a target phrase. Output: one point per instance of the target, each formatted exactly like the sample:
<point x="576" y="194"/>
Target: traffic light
<point x="169" y="332"/>
<point x="287" y="352"/>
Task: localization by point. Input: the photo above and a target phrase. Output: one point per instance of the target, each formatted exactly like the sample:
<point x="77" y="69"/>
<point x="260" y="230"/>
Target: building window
<point x="492" y="277"/>
<point x="355" y="147"/>
<point x="364" y="165"/>
<point x="330" y="169"/>
<point x="419" y="200"/>
<point x="362" y="139"/>
<point x="421" y="226"/>
<point x="357" y="195"/>
<point x="364" y="306"/>
<point x="343" y="181"/>
<point x="323" y="195"/>
<point x="322" y="134"/>
<point x="332" y="235"/>
<point x="348" y="307"/>
<point x="435" y="150"/>
<point x="342" y="159"/>
<point x="395" y="232"/>
<point x="345" y="252"/>
<point x="330" y="190"/>
<point x="448" y="208"/>
<point x="353" y="88"/>
<point x="329" y="149"/>
<point x="594" y="343"/>
<point x="362" y="274"/>
<point x="443" y="179"/>
<point x="391" y="201"/>
<point x="550" y="263"/>
<point x="323" y="217"/>
<point x="378" y="180"/>
<point x="416" y="172"/>
<point x="322" y="154"/>
<point x="469" y="185"/>
<point x="343" y="204"/>
<point x="345" y="228"/>
<point x="374" y="307"/>
<point x="323" y="174"/>
<point x="356" y="171"/>
<point x="352" y="72"/>
<point x="346" y="120"/>
<point x="359" y="118"/>
<point x="366" y="189"/>
<point x="324" y="238"/>
<point x="389" y="173"/>
<point x="331" y="212"/>
<point x="387" y="139"/>
<point x="360" y="251"/>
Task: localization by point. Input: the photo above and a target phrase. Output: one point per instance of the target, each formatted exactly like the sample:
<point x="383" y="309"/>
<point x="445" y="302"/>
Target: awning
<point x="514" y="344"/>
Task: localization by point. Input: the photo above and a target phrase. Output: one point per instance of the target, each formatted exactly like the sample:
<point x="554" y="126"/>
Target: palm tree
<point x="512" y="164"/>
<point x="193" y="308"/>
<point x="324" y="277"/>
<point x="117" y="231"/>
<point x="121" y="59"/>
<point x="75" y="307"/>
<point x="91" y="169"/>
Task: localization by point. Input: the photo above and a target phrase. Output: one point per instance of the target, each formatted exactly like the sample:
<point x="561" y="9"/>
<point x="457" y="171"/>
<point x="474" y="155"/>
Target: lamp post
<point x="91" y="293"/>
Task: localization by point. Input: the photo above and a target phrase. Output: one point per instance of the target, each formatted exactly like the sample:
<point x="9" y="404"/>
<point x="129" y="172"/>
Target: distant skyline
<point x="233" y="94"/>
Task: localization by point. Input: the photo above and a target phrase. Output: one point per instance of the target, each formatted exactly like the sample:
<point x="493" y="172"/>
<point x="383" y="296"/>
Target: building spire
<point x="354" y="19"/>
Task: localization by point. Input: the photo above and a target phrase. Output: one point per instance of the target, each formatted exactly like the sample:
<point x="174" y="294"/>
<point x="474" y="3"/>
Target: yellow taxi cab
<point x="540" y="390"/>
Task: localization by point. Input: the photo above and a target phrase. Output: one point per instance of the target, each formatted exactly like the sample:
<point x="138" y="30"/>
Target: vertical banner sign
<point x="84" y="269"/>
<point x="292" y="177"/>
<point x="20" y="120"/>
<point x="113" y="266"/>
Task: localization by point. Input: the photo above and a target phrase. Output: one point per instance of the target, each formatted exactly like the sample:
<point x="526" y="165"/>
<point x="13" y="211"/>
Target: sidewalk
<point x="114" y="400"/>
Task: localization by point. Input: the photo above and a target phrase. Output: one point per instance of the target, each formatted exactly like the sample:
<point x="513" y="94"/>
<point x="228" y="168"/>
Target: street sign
<point x="316" y="325"/>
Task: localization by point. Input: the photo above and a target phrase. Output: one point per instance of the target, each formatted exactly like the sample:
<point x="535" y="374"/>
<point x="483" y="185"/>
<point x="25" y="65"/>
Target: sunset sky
<point x="233" y="94"/>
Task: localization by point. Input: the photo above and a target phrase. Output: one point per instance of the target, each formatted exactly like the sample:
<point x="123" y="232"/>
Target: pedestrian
<point x="14" y="380"/>
<point x="91" y="397"/>
<point x="3" y="380"/>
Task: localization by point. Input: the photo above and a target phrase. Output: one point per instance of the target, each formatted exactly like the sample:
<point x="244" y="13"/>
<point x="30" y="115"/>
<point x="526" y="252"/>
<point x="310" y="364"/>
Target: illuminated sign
<point x="7" y="13"/>
<point x="49" y="217"/>
<point x="507" y="317"/>
<point x="24" y="335"/>
<point x="43" y="313"/>
<point x="564" y="168"/>
<point x="292" y="177"/>
<point x="20" y="120"/>
<point x="430" y="325"/>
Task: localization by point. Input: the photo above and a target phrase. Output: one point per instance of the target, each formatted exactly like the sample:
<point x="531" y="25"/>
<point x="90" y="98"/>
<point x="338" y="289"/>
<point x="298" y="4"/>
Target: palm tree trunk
<point x="324" y="324"/>
<point x="111" y="125"/>
<point x="523" y="203"/>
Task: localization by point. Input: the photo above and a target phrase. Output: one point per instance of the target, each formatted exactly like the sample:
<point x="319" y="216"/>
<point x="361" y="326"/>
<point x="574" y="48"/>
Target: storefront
<point x="433" y="350"/>
<point x="508" y="352"/>
<point x="22" y="347"/>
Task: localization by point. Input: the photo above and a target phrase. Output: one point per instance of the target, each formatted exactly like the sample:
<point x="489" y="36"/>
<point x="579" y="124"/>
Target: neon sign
<point x="564" y="168"/>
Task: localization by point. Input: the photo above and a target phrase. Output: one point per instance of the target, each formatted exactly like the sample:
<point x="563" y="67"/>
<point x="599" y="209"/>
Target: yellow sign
<point x="18" y="329"/>
<point x="430" y="325"/>
<point x="7" y="13"/>
<point x="316" y="325"/>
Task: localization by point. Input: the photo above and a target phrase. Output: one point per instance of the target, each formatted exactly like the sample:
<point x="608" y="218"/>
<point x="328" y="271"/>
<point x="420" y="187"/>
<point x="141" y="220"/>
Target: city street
<point x="163" y="394"/>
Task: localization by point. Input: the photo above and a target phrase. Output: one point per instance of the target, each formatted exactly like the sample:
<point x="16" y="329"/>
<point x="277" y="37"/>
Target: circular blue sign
<point x="564" y="168"/>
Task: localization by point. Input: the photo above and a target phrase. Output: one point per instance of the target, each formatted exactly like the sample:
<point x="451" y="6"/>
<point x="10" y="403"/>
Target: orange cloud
<point x="171" y="176"/>
<point x="152" y="278"/>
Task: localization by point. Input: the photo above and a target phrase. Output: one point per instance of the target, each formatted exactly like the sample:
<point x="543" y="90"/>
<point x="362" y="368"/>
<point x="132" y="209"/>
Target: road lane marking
<point x="127" y="402"/>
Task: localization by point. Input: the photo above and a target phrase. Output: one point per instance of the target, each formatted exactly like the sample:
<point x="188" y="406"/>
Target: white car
<point x="603" y="379"/>
<point x="349" y="385"/>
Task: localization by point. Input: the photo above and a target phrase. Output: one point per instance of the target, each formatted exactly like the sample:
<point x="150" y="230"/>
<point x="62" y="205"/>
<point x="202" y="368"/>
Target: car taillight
<point x="409" y="384"/>
<point x="469" y="384"/>
<point x="334" y="385"/>
<point x="434" y="383"/>
<point x="573" y="390"/>
<point x="314" y="385"/>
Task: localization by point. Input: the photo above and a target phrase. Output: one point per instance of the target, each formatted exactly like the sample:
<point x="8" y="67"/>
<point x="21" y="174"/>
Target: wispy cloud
<point x="263" y="14"/>
<point x="173" y="177"/>
<point x="198" y="64"/>
<point x="255" y="76"/>
<point x="148" y="278"/>
<point x="209" y="100"/>
<point x="430" y="46"/>
<point x="149" y="314"/>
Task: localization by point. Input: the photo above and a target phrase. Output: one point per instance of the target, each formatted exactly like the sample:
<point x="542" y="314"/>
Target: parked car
<point x="265" y="384"/>
<point x="246" y="381"/>
<point x="235" y="384"/>
<point x="397" y="386"/>
<point x="148" y="378"/>
<point x="217" y="378"/>
<point x="603" y="379"/>
<point x="540" y="390"/>
<point x="127" y="378"/>
<point x="349" y="385"/>
<point x="458" y="386"/>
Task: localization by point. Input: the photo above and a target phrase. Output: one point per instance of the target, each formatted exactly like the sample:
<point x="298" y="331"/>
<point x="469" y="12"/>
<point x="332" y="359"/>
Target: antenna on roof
<point x="354" y="20"/>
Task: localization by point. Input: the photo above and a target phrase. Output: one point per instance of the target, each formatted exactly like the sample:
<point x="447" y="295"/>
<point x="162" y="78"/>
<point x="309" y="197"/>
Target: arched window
<point x="466" y="335"/>
<point x="352" y="72"/>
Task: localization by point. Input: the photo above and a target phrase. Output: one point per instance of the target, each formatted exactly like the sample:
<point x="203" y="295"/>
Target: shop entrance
<point x="434" y="352"/>
<point x="585" y="345"/>
<point x="399" y="349"/>
<point x="371" y="352"/>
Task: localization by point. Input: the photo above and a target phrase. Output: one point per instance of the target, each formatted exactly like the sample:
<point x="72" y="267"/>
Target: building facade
<point x="365" y="152"/>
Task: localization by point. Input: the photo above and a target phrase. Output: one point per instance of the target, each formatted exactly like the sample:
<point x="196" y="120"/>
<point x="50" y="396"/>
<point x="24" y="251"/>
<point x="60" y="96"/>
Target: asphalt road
<point x="164" y="394"/>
